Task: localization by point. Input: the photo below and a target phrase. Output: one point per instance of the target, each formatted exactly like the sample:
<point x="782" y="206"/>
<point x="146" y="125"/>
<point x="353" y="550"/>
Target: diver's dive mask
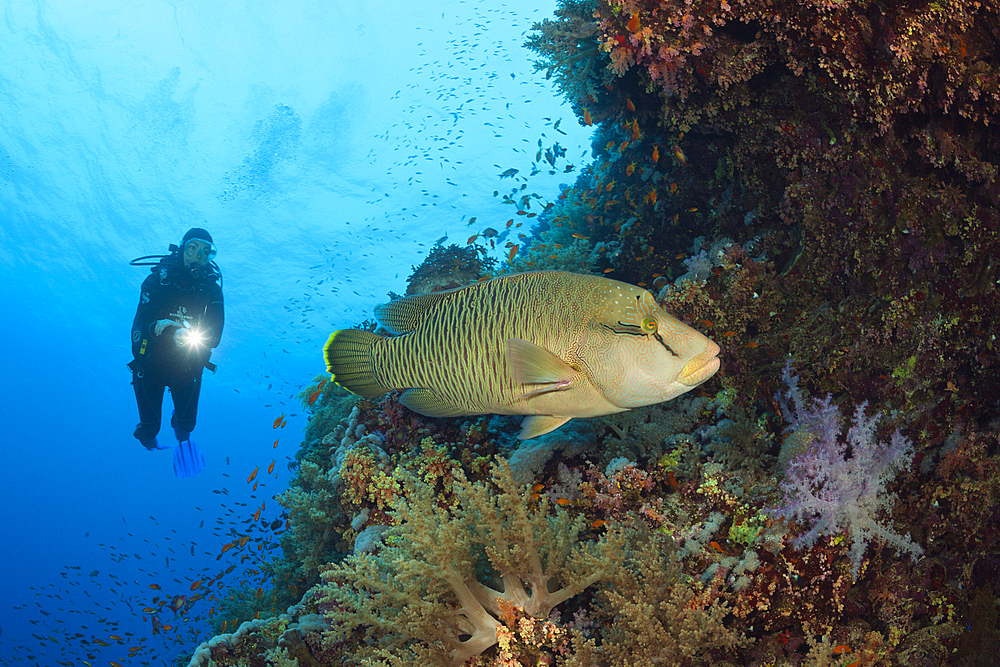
<point x="199" y="250"/>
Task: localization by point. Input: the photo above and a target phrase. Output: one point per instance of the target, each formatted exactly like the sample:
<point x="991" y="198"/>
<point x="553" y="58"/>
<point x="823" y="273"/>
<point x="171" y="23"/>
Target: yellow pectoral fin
<point x="530" y="364"/>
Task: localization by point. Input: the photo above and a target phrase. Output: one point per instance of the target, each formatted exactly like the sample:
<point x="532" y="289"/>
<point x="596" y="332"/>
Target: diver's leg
<point x="185" y="392"/>
<point x="148" y="388"/>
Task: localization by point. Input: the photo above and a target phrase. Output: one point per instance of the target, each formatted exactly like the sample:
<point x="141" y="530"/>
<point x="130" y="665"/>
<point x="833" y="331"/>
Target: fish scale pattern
<point x="475" y="323"/>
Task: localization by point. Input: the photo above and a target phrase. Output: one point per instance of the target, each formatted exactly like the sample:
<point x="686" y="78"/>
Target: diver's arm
<point x="215" y="318"/>
<point x="145" y="313"/>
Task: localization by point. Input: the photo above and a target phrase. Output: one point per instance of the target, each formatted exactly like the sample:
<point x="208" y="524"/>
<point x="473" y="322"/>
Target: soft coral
<point x="833" y="492"/>
<point x="439" y="587"/>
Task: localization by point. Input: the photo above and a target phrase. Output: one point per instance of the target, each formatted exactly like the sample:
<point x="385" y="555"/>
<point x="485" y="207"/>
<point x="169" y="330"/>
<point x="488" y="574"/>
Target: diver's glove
<point x="163" y="324"/>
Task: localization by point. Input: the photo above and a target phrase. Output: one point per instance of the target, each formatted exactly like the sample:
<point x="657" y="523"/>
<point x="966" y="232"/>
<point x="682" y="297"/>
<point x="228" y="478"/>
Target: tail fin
<point x="348" y="355"/>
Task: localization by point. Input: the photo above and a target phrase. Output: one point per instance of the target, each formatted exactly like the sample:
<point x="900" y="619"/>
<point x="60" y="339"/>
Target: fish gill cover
<point x="813" y="186"/>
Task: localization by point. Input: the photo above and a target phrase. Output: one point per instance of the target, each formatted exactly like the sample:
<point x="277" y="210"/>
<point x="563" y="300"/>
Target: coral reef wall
<point x="814" y="185"/>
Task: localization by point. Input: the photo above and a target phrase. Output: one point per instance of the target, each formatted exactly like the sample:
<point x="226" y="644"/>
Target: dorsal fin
<point x="403" y="315"/>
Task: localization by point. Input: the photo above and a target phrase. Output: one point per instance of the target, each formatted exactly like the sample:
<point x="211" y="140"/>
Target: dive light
<point x="191" y="336"/>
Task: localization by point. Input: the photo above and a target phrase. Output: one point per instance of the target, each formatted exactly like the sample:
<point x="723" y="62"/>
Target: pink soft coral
<point x="835" y="493"/>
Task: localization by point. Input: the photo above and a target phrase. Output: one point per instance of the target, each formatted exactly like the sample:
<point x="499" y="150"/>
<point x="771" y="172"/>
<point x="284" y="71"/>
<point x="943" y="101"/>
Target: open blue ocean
<point x="326" y="146"/>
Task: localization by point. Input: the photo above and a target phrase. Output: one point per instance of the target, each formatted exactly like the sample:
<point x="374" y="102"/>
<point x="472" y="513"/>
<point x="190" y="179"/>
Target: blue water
<point x="326" y="146"/>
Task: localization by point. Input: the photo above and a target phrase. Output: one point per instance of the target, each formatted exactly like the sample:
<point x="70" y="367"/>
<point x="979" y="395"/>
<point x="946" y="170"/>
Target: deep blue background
<point x="326" y="146"/>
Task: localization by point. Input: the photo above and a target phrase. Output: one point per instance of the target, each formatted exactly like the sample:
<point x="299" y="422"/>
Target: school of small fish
<point x="245" y="538"/>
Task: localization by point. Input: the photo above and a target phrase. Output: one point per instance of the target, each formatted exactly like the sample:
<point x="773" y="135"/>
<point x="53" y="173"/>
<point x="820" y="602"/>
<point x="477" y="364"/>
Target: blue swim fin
<point x="188" y="460"/>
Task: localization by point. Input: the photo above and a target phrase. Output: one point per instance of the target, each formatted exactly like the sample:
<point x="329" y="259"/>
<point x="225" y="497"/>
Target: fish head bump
<point x="643" y="355"/>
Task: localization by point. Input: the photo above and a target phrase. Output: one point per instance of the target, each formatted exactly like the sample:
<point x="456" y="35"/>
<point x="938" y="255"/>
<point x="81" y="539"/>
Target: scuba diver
<point x="178" y="322"/>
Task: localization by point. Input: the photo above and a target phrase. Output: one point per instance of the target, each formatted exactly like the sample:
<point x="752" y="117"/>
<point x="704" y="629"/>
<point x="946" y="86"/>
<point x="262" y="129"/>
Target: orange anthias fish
<point x="630" y="169"/>
<point x="587" y="120"/>
<point x="679" y="156"/>
<point x="313" y="396"/>
<point x="633" y="23"/>
<point x="656" y="153"/>
<point x="252" y="475"/>
<point x="512" y="253"/>
<point x="270" y="468"/>
<point x="277" y="422"/>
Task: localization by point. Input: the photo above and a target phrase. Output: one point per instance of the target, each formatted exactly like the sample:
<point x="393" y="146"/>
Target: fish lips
<point x="702" y="366"/>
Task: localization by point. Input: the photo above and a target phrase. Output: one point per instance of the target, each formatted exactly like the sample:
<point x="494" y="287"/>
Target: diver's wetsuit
<point x="173" y="292"/>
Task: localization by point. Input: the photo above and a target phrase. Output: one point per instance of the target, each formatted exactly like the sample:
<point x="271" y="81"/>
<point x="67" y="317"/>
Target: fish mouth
<point x="702" y="366"/>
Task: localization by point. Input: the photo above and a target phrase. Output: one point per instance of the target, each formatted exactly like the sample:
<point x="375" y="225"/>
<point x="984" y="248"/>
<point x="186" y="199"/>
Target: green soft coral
<point x="314" y="514"/>
<point x="434" y="594"/>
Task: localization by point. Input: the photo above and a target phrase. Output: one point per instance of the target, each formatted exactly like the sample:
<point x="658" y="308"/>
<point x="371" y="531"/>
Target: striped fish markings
<point x="552" y="345"/>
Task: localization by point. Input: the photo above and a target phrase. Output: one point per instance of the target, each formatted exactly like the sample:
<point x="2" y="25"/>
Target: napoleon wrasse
<point x="552" y="345"/>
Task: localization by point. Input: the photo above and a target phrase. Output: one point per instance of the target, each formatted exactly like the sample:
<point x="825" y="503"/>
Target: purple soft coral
<point x="835" y="494"/>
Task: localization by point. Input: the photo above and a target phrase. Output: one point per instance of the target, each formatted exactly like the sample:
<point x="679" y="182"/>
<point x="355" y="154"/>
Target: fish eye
<point x="649" y="325"/>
